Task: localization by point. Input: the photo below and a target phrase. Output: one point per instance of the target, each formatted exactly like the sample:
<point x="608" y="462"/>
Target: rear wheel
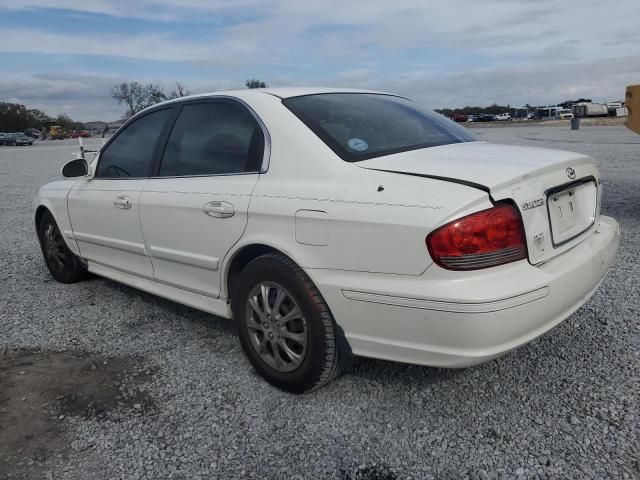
<point x="285" y="326"/>
<point x="62" y="263"/>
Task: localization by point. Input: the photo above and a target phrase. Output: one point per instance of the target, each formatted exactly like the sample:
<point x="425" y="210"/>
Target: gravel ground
<point x="565" y="406"/>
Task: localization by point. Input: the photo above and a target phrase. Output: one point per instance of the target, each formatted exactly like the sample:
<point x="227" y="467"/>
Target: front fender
<point x="53" y="197"/>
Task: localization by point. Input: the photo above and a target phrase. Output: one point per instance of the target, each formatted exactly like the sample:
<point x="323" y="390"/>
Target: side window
<point x="213" y="138"/>
<point x="130" y="154"/>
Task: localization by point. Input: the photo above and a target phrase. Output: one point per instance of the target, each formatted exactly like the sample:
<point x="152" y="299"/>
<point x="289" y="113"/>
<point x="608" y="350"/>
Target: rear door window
<point x="213" y="138"/>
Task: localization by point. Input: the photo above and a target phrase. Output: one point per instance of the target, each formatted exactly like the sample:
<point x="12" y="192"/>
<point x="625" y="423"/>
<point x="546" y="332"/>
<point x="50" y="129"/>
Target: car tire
<point x="311" y="348"/>
<point x="63" y="264"/>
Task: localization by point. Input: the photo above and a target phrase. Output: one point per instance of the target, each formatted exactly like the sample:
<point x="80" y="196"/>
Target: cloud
<point x="86" y="97"/>
<point x="537" y="84"/>
<point x="149" y="47"/>
<point x="82" y="97"/>
<point x="442" y="53"/>
<point x="493" y="26"/>
<point x="161" y="10"/>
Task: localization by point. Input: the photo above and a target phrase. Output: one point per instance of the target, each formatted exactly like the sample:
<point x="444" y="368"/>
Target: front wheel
<point x="285" y="326"/>
<point x="62" y="263"/>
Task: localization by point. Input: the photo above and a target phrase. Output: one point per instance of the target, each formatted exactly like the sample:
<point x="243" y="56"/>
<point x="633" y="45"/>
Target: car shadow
<point x="373" y="369"/>
<point x="363" y="371"/>
<point x="361" y="368"/>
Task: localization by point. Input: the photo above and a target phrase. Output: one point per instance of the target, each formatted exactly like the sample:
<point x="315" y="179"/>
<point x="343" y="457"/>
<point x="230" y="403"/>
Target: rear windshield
<point x="359" y="126"/>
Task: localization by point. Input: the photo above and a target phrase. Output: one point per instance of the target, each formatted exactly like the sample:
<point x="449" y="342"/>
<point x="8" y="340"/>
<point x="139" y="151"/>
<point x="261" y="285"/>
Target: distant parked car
<point x="565" y="114"/>
<point x="6" y="139"/>
<point x="459" y="117"/>
<point x="472" y="118"/>
<point x="32" y="132"/>
<point x="78" y="133"/>
<point x="485" y="117"/>
<point x="502" y="117"/>
<point x="21" y="139"/>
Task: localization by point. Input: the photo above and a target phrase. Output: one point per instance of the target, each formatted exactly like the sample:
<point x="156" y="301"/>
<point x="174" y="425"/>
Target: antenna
<point x="84" y="150"/>
<point x="81" y="146"/>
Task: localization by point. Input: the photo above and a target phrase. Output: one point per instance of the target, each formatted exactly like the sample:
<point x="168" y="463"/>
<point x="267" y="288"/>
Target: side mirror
<point x="75" y="168"/>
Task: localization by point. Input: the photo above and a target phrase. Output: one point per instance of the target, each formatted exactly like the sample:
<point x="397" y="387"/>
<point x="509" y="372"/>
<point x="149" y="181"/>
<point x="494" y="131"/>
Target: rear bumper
<point x="458" y="319"/>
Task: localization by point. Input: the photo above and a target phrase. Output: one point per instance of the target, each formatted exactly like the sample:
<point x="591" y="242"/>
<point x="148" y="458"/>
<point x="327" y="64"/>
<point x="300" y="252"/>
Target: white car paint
<point x="522" y="174"/>
<point x="358" y="230"/>
<point x="105" y="233"/>
<point x="565" y="114"/>
<point x="192" y="261"/>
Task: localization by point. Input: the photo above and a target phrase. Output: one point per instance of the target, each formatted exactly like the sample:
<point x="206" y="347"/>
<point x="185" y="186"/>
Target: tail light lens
<point x="480" y="240"/>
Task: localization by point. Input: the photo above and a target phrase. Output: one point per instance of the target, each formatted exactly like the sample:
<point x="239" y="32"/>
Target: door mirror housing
<point x="75" y="168"/>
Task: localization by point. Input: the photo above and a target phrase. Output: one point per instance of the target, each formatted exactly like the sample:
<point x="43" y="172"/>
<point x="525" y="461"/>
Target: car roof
<point x="248" y="94"/>
<point x="288" y="92"/>
<point x="282" y="92"/>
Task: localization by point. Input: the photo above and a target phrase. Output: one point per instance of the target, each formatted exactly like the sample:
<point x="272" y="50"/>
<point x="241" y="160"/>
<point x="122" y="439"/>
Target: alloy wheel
<point x="277" y="327"/>
<point x="54" y="248"/>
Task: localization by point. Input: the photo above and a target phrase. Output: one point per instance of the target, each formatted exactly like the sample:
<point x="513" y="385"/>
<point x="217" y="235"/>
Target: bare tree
<point x="255" y="83"/>
<point x="131" y="94"/>
<point x="180" y="91"/>
<point x="155" y="94"/>
<point x="137" y="97"/>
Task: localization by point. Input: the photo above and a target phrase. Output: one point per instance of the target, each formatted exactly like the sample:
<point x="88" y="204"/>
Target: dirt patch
<point x="39" y="390"/>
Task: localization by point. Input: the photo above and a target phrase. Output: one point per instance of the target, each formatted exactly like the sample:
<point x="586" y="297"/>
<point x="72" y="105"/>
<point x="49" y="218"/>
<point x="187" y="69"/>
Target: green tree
<point x="38" y="119"/>
<point x="255" y="83"/>
<point x="67" y="123"/>
<point x="13" y="117"/>
<point x="17" y="118"/>
<point x="492" y="109"/>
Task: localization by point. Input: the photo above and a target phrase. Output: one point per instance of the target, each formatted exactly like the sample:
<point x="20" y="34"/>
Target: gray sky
<point x="62" y="56"/>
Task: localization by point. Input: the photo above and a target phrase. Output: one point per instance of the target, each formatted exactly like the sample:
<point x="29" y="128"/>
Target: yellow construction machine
<point x="56" y="132"/>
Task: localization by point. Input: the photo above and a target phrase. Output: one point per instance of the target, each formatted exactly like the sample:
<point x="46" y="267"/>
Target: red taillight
<point x="480" y="240"/>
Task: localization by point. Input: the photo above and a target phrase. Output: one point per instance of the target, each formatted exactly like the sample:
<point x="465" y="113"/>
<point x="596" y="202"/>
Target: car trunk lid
<point x="557" y="192"/>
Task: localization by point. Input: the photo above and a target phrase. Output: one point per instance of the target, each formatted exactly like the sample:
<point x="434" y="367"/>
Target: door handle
<point x="122" y="201"/>
<point x="218" y="209"/>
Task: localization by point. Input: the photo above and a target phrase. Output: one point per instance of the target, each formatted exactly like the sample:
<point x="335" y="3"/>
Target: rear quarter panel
<point x="365" y="229"/>
<point x="364" y="220"/>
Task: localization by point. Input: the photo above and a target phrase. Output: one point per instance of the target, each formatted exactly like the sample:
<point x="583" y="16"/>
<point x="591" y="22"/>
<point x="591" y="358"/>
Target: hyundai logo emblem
<point x="571" y="173"/>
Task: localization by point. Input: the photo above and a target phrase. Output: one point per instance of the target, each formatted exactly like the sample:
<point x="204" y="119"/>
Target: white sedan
<point x="329" y="223"/>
